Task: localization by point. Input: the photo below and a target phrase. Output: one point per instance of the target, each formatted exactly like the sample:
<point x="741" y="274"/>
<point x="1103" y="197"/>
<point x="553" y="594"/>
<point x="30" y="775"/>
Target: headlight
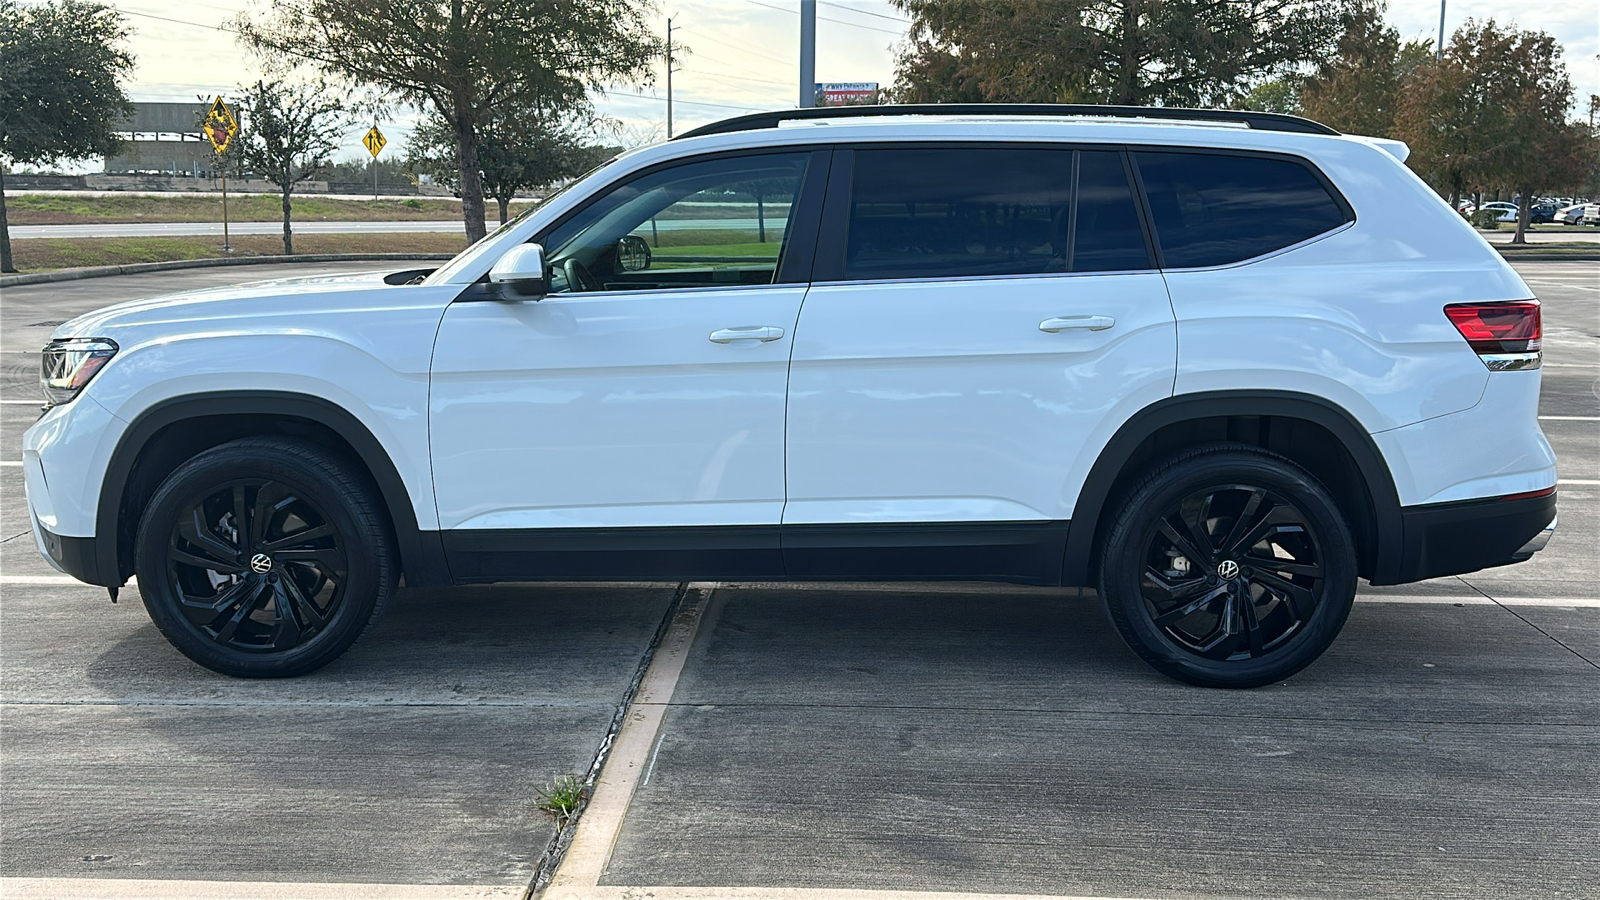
<point x="68" y="365"/>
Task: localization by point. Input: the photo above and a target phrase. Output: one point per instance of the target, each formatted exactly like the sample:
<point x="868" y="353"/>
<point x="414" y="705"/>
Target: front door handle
<point x="761" y="333"/>
<point x="1092" y="323"/>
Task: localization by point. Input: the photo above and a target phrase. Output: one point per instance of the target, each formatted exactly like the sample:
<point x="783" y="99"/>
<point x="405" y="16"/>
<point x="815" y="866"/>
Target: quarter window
<point x="1211" y="209"/>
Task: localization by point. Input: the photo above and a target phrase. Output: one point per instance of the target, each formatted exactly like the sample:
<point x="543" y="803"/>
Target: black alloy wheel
<point x="1229" y="567"/>
<point x="265" y="557"/>
<point x="257" y="567"/>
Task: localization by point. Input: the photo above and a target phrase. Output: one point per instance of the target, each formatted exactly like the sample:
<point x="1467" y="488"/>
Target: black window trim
<point x="828" y="265"/>
<point x="1151" y="235"/>
<point x="794" y="267"/>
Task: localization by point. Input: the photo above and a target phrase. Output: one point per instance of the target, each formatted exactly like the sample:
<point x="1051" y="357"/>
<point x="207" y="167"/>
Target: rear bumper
<point x="1453" y="538"/>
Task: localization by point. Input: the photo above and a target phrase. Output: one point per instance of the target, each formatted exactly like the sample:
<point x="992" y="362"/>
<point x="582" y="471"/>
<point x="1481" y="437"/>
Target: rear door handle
<point x="1063" y="323"/>
<point x="761" y="333"/>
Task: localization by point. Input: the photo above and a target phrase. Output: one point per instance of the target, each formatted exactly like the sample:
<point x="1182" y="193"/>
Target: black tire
<point x="316" y="561"/>
<point x="1292" y="556"/>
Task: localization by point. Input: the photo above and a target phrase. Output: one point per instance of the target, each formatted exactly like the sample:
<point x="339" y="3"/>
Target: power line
<point x="129" y="12"/>
<point x="677" y="101"/>
<point x="826" y="19"/>
<point x="762" y="56"/>
<point x="865" y="12"/>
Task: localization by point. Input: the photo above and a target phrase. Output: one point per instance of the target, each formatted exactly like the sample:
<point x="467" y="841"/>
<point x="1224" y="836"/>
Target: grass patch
<point x="701" y="237"/>
<point x="40" y="254"/>
<point x="767" y="251"/>
<point x="561" y="798"/>
<point x="72" y="208"/>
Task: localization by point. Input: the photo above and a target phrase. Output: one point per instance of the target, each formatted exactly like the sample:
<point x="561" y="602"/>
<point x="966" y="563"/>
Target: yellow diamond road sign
<point x="220" y="126"/>
<point x="374" y="140"/>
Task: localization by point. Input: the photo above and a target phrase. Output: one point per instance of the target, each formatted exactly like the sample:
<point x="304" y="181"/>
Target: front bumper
<point x="1454" y="538"/>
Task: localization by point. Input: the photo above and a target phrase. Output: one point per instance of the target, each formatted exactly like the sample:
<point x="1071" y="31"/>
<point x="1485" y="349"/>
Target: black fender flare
<point x="421" y="554"/>
<point x="1108" y="467"/>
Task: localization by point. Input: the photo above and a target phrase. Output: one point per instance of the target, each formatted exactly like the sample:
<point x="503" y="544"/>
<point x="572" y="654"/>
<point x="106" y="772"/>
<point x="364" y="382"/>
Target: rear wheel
<point x="1229" y="567"/>
<point x="264" y="557"/>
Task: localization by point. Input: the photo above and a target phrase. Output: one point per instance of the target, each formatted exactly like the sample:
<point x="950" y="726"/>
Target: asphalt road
<point x="852" y="737"/>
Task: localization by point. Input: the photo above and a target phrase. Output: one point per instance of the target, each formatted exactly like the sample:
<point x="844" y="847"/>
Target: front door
<point x="983" y="321"/>
<point x="631" y="422"/>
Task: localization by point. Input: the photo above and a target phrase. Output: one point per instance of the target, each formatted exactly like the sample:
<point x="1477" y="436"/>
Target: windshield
<point x="468" y="257"/>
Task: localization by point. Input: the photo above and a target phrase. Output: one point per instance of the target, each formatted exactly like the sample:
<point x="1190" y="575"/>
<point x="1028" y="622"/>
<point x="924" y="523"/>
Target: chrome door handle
<point x="761" y="333"/>
<point x="1093" y="323"/>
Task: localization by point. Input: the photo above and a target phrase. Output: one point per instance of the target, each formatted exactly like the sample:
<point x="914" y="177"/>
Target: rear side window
<point x="1211" y="209"/>
<point x="964" y="212"/>
<point x="934" y="212"/>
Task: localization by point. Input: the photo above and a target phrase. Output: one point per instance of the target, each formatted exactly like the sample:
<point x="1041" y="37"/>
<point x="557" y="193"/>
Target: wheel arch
<point x="170" y="432"/>
<point x="1311" y="431"/>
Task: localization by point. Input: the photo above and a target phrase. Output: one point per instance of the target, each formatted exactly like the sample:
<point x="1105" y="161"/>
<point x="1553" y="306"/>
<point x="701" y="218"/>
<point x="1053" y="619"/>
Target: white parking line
<point x="1586" y="481"/>
<point x="11" y="462"/>
<point x="611" y="892"/>
<point x="1569" y="418"/>
<point x="1480" y="600"/>
<point x="153" y="889"/>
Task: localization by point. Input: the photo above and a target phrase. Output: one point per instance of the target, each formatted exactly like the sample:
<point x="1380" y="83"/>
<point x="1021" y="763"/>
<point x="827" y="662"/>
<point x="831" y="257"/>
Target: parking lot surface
<point x="845" y="739"/>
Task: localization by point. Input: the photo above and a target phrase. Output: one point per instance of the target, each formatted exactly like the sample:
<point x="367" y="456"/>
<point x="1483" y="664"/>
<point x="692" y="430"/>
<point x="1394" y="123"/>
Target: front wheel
<point x="265" y="557"/>
<point x="1228" y="567"/>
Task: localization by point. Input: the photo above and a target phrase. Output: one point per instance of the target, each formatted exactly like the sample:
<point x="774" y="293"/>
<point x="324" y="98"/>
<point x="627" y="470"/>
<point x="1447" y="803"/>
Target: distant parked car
<point x="1591" y="214"/>
<point x="1507" y="211"/>
<point x="1569" y="215"/>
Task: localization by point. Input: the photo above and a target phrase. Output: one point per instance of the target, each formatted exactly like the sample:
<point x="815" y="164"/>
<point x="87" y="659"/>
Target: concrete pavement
<point x="809" y="741"/>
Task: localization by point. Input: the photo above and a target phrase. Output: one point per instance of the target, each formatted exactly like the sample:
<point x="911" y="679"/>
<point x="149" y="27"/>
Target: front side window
<point x="715" y="223"/>
<point x="1211" y="209"/>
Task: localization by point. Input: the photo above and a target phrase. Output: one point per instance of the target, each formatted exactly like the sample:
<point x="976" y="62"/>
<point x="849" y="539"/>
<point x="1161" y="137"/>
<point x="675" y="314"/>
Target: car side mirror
<point x="520" y="274"/>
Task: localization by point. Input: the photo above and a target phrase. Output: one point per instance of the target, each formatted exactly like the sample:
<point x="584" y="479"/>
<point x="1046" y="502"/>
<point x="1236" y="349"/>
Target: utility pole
<point x="669" y="79"/>
<point x="808" y="53"/>
<point x="1438" y="52"/>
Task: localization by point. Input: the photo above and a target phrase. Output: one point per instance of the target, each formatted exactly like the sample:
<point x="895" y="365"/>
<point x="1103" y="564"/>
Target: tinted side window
<point x="1106" y="231"/>
<point x="927" y="213"/>
<point x="1212" y="209"/>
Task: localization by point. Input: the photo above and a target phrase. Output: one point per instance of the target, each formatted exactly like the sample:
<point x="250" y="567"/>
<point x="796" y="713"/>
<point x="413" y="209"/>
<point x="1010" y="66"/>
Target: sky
<point x="741" y="55"/>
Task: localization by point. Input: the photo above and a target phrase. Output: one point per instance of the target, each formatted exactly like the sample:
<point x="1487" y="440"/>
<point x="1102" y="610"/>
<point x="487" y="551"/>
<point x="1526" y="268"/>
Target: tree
<point x="1357" y="90"/>
<point x="518" y="150"/>
<point x="1493" y="112"/>
<point x="60" y="96"/>
<point x="1130" y="52"/>
<point x="465" y="59"/>
<point x="293" y="130"/>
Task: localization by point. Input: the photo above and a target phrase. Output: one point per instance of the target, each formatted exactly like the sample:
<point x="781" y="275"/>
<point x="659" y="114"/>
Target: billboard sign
<point x="848" y="93"/>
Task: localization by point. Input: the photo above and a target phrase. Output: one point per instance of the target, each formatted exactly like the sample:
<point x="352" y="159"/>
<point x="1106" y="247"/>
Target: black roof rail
<point x="1261" y="121"/>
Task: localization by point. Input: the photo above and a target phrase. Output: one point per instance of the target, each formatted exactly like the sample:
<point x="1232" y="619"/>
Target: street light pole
<point x="1438" y="52"/>
<point x="808" y="53"/>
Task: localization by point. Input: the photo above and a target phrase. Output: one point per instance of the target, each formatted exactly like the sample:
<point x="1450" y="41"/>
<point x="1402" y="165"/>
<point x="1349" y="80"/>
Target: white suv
<point x="1217" y="365"/>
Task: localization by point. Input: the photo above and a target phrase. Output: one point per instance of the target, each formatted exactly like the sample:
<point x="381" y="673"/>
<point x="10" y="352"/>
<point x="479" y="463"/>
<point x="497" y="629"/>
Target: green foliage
<point x="1132" y="52"/>
<point x="520" y="149"/>
<point x="465" y="59"/>
<point x="1356" y="90"/>
<point x="292" y="131"/>
<point x="1486" y="219"/>
<point x="1276" y="95"/>
<point x="60" y="64"/>
<point x="561" y="798"/>
<point x="1492" y="113"/>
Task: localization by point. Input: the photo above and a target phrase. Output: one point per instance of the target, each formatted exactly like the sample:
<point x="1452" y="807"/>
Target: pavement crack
<point x="13" y="537"/>
<point x="550" y="860"/>
<point x="1527" y="622"/>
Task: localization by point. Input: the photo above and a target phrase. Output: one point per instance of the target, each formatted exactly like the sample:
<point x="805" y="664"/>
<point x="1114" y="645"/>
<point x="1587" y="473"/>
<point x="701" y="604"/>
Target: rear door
<point x="982" y="318"/>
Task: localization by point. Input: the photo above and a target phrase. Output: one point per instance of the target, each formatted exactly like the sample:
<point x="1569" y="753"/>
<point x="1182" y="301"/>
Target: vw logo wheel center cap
<point x="1227" y="570"/>
<point x="261" y="564"/>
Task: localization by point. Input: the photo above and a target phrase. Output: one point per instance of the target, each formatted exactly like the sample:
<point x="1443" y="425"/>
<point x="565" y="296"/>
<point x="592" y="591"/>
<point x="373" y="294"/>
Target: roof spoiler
<point x="1397" y="149"/>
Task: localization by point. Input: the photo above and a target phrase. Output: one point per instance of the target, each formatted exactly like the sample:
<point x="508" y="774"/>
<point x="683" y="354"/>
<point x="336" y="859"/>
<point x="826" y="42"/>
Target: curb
<point x="137" y="268"/>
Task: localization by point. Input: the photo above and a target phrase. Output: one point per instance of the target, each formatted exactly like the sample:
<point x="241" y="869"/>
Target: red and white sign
<point x="851" y="93"/>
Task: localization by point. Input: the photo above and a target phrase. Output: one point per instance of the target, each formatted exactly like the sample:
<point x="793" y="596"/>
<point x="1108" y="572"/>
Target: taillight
<point x="1506" y="336"/>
